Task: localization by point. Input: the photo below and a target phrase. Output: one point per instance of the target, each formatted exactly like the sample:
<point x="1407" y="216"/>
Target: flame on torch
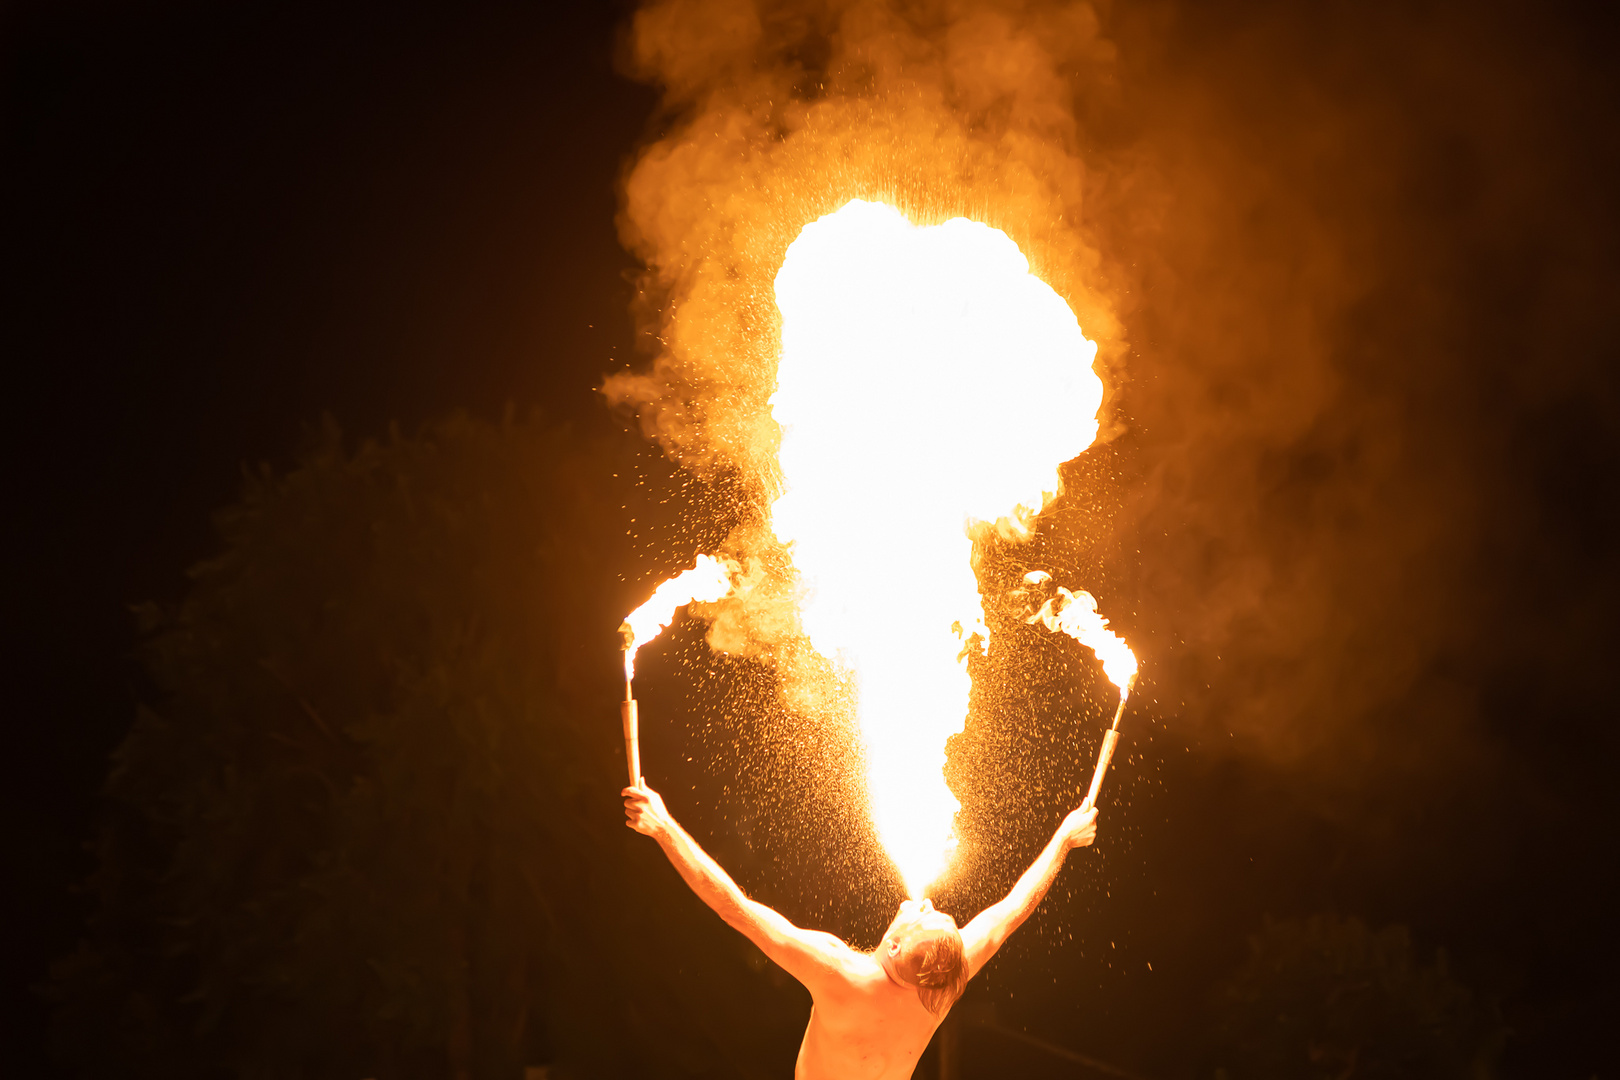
<point x="705" y="583"/>
<point x="1076" y="614"/>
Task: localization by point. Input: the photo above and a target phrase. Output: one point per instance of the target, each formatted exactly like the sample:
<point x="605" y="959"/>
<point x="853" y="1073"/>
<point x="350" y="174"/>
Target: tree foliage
<point x="367" y="825"/>
<point x="1329" y="999"/>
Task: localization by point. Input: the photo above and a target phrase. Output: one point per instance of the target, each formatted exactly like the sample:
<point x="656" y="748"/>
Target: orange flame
<point x="705" y="583"/>
<point x="1075" y="614"/>
<point x="928" y="384"/>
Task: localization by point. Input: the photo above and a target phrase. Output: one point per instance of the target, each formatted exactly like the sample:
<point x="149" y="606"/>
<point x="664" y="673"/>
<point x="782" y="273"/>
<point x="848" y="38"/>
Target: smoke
<point x="779" y="113"/>
<point x="1273" y="222"/>
<point x="1361" y="253"/>
<point x="1350" y="268"/>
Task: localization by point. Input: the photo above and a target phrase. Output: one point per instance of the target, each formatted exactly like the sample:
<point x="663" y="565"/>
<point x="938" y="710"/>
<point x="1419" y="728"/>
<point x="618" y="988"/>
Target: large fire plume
<point x="867" y="267"/>
<point x="929" y="386"/>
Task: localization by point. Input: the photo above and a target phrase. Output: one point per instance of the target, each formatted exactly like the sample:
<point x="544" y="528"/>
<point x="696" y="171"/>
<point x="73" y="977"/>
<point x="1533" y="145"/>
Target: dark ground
<point x="222" y="223"/>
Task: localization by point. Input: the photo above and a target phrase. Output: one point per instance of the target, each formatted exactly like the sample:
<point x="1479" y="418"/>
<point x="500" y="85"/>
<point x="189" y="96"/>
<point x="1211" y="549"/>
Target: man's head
<point x="922" y="948"/>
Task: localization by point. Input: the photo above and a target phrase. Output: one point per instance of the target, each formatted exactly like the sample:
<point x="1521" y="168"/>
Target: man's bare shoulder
<point x="831" y="942"/>
<point x="852" y="971"/>
<point x="854" y="965"/>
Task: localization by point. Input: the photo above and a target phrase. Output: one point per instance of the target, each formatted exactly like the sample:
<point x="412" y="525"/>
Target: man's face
<point x="914" y="916"/>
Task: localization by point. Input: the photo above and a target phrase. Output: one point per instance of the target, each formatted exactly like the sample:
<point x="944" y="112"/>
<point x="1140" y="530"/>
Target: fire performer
<point x="872" y="1013"/>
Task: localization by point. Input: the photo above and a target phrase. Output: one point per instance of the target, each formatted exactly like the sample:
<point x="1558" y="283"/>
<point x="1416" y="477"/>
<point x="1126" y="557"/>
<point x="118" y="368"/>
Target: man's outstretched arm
<point x="812" y="957"/>
<point x="992" y="926"/>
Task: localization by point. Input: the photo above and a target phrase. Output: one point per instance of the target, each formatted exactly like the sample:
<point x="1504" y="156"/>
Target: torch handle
<point x="1110" y="740"/>
<point x="632" y="741"/>
<point x="1124" y="696"/>
<point x="1104" y="756"/>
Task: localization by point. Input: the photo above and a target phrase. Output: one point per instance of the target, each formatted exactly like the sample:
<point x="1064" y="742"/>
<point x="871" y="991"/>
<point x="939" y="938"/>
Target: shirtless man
<point x="872" y="1013"/>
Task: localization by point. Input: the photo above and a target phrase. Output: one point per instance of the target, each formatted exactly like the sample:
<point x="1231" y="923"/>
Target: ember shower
<point x="963" y="123"/>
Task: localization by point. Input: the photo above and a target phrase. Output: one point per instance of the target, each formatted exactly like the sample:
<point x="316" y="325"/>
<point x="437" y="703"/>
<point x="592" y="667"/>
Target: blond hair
<point x="936" y="965"/>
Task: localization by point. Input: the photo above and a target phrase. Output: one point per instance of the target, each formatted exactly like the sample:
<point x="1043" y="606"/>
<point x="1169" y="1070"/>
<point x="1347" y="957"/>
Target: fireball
<point x="929" y="386"/>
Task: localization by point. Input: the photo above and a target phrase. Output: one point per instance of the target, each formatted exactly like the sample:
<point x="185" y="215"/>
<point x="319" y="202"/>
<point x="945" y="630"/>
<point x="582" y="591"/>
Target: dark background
<point x="222" y="223"/>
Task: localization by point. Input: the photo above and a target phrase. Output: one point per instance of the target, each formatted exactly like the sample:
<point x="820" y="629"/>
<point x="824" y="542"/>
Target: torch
<point x="1075" y="614"/>
<point x="708" y="581"/>
<point x="627" y="707"/>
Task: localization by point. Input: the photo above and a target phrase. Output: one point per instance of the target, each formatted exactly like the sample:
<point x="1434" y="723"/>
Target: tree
<point x="368" y="824"/>
<point x="1328" y="998"/>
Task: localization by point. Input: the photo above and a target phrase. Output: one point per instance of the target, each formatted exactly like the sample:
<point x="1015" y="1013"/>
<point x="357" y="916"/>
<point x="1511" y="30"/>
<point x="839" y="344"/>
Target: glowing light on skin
<point x="928" y="385"/>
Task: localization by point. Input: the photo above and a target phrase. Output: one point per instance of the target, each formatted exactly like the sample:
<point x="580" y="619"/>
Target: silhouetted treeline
<point x="366" y="825"/>
<point x="1326" y="997"/>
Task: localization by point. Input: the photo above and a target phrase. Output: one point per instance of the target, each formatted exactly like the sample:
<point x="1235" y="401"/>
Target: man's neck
<point x="888" y="971"/>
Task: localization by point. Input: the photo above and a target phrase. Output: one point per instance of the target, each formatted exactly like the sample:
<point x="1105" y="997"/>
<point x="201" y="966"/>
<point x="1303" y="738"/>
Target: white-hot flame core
<point x="705" y="583"/>
<point x="928" y="381"/>
<point x="1075" y="614"/>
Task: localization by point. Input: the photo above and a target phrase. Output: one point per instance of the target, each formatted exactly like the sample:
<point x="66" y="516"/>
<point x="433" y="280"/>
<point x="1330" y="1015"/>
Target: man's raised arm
<point x="812" y="957"/>
<point x="984" y="935"/>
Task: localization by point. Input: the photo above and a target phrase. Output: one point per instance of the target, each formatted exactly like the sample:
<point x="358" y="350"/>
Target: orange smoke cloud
<point x="936" y="111"/>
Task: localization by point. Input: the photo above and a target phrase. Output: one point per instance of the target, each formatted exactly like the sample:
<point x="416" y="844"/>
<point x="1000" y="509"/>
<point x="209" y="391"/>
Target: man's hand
<point x="1079" y="829"/>
<point x="992" y="926"/>
<point x="644" y="811"/>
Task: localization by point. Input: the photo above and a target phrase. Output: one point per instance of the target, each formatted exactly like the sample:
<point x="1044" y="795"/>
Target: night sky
<point x="224" y="223"/>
